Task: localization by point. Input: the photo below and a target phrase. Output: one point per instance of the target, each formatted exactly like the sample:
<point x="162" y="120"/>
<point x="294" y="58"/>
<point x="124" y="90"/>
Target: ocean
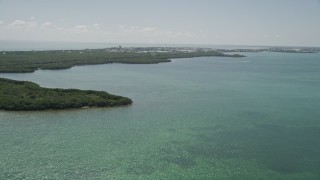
<point x="255" y="117"/>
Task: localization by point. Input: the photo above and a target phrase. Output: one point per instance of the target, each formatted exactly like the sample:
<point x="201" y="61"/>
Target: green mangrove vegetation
<point x="24" y="96"/>
<point x="29" y="61"/>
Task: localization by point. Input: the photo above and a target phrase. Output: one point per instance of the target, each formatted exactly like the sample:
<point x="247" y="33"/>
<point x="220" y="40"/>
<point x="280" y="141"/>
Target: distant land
<point x="275" y="49"/>
<point x="29" y="61"/>
<point x="24" y="95"/>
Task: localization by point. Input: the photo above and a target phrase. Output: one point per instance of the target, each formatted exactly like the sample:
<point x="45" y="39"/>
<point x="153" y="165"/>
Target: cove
<point x="201" y="118"/>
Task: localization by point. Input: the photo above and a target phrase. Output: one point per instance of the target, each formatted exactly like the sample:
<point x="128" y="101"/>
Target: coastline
<point x="29" y="61"/>
<point x="29" y="96"/>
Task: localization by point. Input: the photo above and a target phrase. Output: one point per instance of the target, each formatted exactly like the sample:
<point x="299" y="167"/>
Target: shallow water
<point x="200" y="118"/>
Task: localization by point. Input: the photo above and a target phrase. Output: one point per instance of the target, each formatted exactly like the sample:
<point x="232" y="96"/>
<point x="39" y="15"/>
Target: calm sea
<point x="200" y="118"/>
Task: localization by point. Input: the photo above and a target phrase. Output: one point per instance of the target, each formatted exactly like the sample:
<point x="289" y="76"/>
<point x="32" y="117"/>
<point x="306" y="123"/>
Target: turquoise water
<point x="200" y="118"/>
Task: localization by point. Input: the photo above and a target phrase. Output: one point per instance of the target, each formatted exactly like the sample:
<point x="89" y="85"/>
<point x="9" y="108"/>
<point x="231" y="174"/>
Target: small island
<point x="29" y="96"/>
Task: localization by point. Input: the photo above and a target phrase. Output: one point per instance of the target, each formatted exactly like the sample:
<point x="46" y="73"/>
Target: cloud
<point x="152" y="34"/>
<point x="128" y="29"/>
<point x="148" y="29"/>
<point x="20" y="24"/>
<point x="136" y="29"/>
<point x="80" y="29"/>
<point x="47" y="25"/>
<point x="51" y="30"/>
<point x="175" y="34"/>
<point x="96" y="26"/>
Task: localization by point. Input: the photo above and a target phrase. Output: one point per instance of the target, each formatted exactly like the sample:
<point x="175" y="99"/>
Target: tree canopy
<point x="24" y="96"/>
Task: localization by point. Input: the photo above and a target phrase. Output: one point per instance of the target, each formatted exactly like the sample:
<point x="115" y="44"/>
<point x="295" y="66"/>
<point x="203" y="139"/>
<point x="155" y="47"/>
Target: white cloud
<point x="81" y="29"/>
<point x="20" y="24"/>
<point x="49" y="30"/>
<point x="176" y="34"/>
<point x="96" y="26"/>
<point x="136" y="29"/>
<point x="148" y="29"/>
<point x="128" y="29"/>
<point x="47" y="25"/>
<point x="152" y="31"/>
<point x="152" y="34"/>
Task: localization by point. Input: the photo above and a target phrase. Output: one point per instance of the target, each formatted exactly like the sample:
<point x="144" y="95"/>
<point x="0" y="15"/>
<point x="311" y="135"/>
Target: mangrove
<point x="29" y="61"/>
<point x="27" y="96"/>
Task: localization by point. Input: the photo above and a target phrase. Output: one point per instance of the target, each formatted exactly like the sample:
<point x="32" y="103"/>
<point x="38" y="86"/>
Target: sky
<point x="216" y="22"/>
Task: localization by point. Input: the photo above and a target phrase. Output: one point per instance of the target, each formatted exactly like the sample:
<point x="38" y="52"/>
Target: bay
<point x="198" y="118"/>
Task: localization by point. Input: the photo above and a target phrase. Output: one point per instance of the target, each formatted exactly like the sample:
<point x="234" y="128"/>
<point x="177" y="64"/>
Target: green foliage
<point x="29" y="61"/>
<point x="24" y="96"/>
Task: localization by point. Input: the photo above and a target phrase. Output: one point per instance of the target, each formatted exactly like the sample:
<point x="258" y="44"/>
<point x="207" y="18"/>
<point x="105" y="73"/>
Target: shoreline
<point x="28" y="96"/>
<point x="29" y="61"/>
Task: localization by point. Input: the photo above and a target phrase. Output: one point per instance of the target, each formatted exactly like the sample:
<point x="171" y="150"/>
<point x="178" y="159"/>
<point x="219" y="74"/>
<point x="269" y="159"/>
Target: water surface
<point x="201" y="118"/>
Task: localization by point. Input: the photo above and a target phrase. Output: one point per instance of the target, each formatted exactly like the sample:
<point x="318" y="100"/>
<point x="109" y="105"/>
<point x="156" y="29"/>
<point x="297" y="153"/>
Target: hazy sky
<point x="220" y="22"/>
